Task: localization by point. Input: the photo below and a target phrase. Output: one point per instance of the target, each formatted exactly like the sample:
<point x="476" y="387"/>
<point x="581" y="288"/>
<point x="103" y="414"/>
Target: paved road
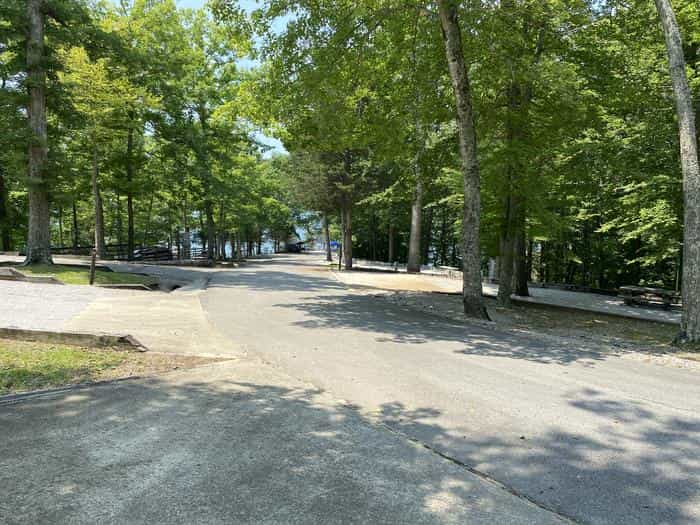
<point x="597" y="438"/>
<point x="228" y="443"/>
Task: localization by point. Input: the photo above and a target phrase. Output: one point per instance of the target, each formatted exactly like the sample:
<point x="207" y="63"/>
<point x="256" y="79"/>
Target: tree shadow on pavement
<point x="225" y="452"/>
<point x="185" y="451"/>
<point x="637" y="468"/>
<point x="394" y="324"/>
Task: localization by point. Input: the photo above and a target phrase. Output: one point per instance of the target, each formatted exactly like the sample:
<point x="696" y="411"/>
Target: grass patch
<point x="81" y="275"/>
<point x="32" y="366"/>
<point x="26" y="366"/>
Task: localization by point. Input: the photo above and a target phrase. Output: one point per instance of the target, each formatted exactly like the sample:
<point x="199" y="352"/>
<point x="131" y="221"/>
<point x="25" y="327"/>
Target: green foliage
<point x="573" y="107"/>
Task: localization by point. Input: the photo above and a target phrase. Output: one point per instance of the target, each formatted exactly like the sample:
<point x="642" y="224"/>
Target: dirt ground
<point x="638" y="338"/>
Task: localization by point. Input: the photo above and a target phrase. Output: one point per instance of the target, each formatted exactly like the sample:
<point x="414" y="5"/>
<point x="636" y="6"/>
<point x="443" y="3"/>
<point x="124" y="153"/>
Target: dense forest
<point x="541" y="133"/>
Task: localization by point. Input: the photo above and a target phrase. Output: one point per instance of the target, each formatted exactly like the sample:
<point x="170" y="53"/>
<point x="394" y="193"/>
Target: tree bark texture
<point x="471" y="249"/>
<point x="327" y="234"/>
<point x="75" y="233"/>
<point x="39" y="229"/>
<point x="391" y="243"/>
<point x="130" y="234"/>
<point x="414" y="242"/>
<point x="347" y="235"/>
<point x="347" y="210"/>
<point x="99" y="213"/>
<point x="5" y="230"/>
<point x="690" y="323"/>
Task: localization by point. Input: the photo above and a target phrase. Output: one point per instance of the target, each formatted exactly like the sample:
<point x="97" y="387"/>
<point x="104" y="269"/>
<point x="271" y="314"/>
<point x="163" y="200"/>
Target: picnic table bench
<point x="643" y="295"/>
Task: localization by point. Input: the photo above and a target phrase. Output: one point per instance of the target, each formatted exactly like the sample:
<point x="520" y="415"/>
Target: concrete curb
<point x="73" y="338"/>
<point x="12" y="274"/>
<point x="11" y="399"/>
<point x="126" y="286"/>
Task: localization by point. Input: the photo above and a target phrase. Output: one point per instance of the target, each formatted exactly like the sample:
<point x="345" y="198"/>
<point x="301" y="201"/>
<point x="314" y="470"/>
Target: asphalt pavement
<point x="339" y="407"/>
<point x="594" y="437"/>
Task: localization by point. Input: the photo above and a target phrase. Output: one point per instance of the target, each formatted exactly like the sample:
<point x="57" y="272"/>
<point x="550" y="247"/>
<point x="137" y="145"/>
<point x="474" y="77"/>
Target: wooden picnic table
<point x="644" y="295"/>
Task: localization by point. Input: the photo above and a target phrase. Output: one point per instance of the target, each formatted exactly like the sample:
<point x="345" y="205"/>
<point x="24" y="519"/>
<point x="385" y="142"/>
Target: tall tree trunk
<point x="39" y="229"/>
<point x="690" y="323"/>
<point x="471" y="250"/>
<point x="414" y="240"/>
<point x="347" y="236"/>
<point x="208" y="204"/>
<point x="60" y="226"/>
<point x="347" y="211"/>
<point x="427" y="239"/>
<point x="391" y="243"/>
<point x="522" y="274"/>
<point x="327" y="235"/>
<point x="149" y="218"/>
<point x="120" y="225"/>
<point x="507" y="255"/>
<point x="222" y="234"/>
<point x="211" y="230"/>
<point x="202" y="231"/>
<point x="99" y="213"/>
<point x="542" y="271"/>
<point x="5" y="230"/>
<point x="443" y="237"/>
<point x="130" y="235"/>
<point x="75" y="232"/>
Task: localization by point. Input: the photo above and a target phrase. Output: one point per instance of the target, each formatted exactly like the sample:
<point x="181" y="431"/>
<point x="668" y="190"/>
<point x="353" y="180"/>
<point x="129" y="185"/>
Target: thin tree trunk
<point x="5" y="231"/>
<point x="130" y="235"/>
<point x="99" y="214"/>
<point x="347" y="237"/>
<point x="149" y="217"/>
<point x="222" y="232"/>
<point x="427" y="240"/>
<point x="75" y="232"/>
<point x="522" y="275"/>
<point x="327" y="234"/>
<point x="202" y="232"/>
<point x="347" y="212"/>
<point x="690" y="323"/>
<point x="507" y="255"/>
<point x="39" y="228"/>
<point x="60" y="226"/>
<point x="471" y="250"/>
<point x="443" y="237"/>
<point x="120" y="224"/>
<point x="414" y="241"/>
<point x="391" y="243"/>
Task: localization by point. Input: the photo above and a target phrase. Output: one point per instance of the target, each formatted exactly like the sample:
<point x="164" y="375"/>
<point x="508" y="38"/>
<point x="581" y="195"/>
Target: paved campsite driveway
<point x="228" y="443"/>
<point x="340" y="408"/>
<point x="35" y="306"/>
<point x="598" y="438"/>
